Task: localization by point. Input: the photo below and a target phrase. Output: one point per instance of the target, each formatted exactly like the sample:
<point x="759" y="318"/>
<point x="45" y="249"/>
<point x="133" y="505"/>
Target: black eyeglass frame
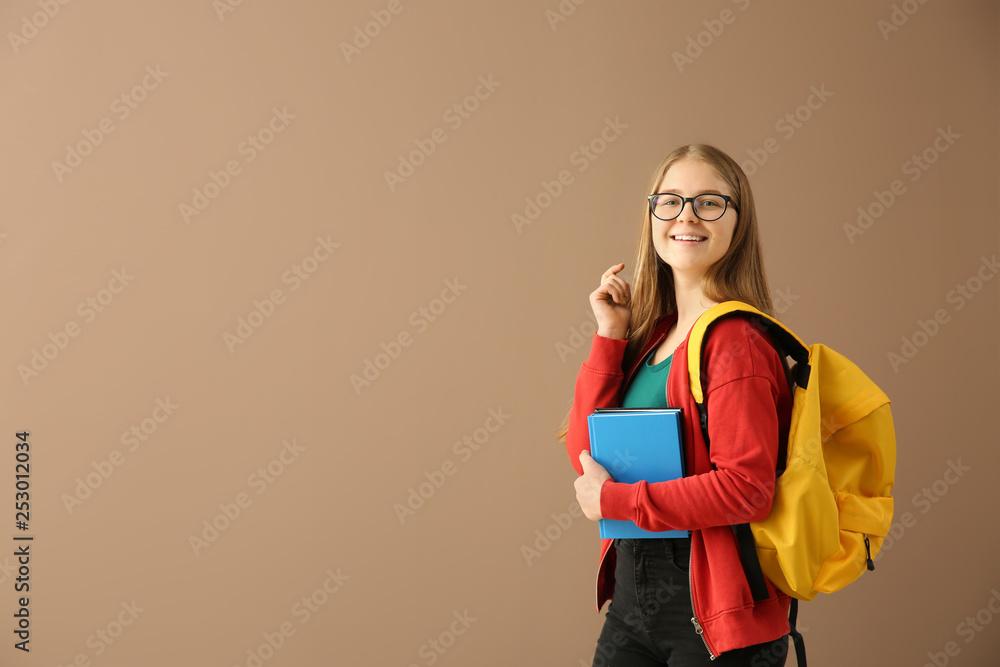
<point x="684" y="200"/>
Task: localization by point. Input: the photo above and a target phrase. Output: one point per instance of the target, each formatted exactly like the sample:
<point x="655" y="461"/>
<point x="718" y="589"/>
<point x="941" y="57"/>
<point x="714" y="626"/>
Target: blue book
<point x="636" y="444"/>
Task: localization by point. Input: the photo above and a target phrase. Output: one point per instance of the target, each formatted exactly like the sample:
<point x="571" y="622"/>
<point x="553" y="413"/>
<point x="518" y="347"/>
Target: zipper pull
<point x="868" y="554"/>
<point x="697" y="625"/>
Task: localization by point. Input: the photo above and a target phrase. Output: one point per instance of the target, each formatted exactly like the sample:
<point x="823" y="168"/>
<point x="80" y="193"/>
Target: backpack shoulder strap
<point x="789" y="343"/>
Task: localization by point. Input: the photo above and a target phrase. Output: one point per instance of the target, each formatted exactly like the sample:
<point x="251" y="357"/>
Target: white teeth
<point x="688" y="237"/>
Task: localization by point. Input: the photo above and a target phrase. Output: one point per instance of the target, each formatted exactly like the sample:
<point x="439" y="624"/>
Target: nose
<point x="687" y="213"/>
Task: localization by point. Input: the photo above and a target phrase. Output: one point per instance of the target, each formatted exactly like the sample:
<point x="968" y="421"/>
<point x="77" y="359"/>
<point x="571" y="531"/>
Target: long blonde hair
<point x="738" y="275"/>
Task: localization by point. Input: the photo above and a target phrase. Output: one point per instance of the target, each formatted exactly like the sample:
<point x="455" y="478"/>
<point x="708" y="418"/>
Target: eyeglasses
<point x="667" y="205"/>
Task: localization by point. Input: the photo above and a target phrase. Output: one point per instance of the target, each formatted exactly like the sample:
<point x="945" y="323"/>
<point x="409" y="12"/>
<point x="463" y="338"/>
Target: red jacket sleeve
<point x="747" y="394"/>
<point x="597" y="386"/>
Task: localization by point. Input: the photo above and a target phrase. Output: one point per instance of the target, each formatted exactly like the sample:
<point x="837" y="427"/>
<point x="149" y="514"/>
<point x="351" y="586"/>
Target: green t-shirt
<point x="649" y="385"/>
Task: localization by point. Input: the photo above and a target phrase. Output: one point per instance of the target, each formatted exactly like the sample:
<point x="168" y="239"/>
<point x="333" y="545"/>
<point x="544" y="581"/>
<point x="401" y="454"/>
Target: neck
<point x="690" y="299"/>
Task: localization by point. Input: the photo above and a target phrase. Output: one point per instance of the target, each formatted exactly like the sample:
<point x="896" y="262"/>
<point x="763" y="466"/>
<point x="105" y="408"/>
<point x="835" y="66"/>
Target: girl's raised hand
<point x="612" y="304"/>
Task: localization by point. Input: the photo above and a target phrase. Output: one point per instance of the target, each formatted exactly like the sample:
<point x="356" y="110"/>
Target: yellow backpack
<point x="832" y="506"/>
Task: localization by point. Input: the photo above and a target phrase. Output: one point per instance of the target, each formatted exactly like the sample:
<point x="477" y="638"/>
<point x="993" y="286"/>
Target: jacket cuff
<point x="606" y="354"/>
<point x="617" y="501"/>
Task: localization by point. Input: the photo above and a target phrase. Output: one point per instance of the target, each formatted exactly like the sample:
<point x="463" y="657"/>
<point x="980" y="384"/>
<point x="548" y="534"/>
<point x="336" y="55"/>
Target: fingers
<point x="616" y="286"/>
<point x="610" y="292"/>
<point x="612" y="271"/>
<point x="611" y="302"/>
<point x="588" y="486"/>
<point x="590" y="466"/>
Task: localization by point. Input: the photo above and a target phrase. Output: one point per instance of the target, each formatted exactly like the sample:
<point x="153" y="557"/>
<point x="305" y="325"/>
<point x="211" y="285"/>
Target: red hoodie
<point x="749" y="408"/>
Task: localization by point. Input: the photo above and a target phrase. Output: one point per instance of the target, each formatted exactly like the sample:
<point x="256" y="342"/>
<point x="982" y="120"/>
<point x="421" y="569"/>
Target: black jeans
<point x="649" y="621"/>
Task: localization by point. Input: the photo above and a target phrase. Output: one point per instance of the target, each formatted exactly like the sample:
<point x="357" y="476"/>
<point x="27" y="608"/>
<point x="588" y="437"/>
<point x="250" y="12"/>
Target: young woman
<point x="686" y="601"/>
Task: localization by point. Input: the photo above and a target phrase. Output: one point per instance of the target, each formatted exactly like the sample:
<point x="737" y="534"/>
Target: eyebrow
<point x="675" y="191"/>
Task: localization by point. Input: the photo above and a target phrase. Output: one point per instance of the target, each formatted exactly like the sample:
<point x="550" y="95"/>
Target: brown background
<point x="495" y="346"/>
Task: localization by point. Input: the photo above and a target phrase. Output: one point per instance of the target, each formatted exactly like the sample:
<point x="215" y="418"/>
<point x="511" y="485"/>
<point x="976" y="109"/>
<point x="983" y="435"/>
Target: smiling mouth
<point x="688" y="237"/>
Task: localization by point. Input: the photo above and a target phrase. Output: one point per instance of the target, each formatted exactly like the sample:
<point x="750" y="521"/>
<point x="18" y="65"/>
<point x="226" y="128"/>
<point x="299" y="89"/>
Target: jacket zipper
<point x="621" y="395"/>
<point x="597" y="580"/>
<point x="694" y="616"/>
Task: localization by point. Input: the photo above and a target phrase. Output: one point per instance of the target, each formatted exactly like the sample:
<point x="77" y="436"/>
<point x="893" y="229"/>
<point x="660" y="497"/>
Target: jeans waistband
<point x="658" y="544"/>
